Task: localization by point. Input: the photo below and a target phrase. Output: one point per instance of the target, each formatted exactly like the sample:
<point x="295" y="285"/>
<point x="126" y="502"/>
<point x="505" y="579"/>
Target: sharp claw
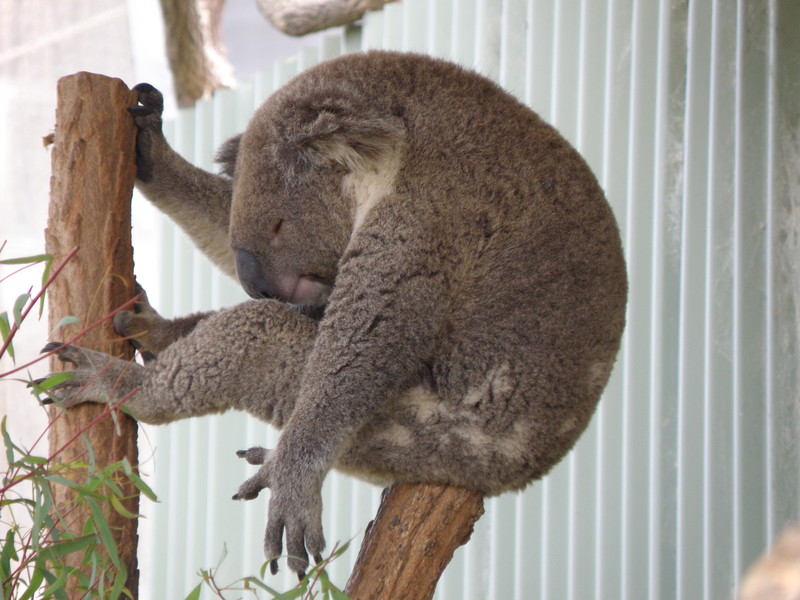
<point x="236" y="497"/>
<point x="317" y="558"/>
<point x="143" y="88"/>
<point x="140" y="111"/>
<point x="50" y="347"/>
<point x="241" y="453"/>
<point x="46" y="401"/>
<point x="273" y="566"/>
<point x="301" y="575"/>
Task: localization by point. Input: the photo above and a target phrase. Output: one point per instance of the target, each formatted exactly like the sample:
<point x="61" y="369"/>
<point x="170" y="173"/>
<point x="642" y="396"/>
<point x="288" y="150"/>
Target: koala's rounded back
<point x="398" y="184"/>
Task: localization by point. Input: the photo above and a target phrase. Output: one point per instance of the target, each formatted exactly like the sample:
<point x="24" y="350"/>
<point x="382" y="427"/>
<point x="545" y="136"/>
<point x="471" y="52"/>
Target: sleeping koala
<point x="440" y="287"/>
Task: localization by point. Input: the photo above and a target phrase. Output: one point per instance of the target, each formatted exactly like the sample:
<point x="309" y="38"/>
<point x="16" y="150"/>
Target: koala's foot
<point x="97" y="377"/>
<point x="148" y="331"/>
<point x="144" y="327"/>
<point x="295" y="508"/>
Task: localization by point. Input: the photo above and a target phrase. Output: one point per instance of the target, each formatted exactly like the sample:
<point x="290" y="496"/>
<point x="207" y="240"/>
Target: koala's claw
<point x="96" y="377"/>
<point x="151" y="101"/>
<point x="251" y="488"/>
<point x="50" y="346"/>
<point x="140" y="111"/>
<point x="255" y="456"/>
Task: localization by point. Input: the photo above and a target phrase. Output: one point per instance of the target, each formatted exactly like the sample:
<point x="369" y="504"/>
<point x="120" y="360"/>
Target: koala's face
<point x="289" y="223"/>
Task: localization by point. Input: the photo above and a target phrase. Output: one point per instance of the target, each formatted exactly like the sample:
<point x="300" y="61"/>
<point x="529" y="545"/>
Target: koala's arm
<point x="374" y="341"/>
<point x="249" y="357"/>
<point x="198" y="201"/>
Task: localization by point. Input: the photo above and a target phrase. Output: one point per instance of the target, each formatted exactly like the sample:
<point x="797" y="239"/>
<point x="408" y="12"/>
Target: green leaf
<point x="51" y="381"/>
<point x="41" y="515"/>
<point x="101" y="526"/>
<point x="5" y="331"/>
<point x="19" y="304"/>
<point x="7" y="554"/>
<point x="10" y="446"/>
<point x="258" y="583"/>
<point x="35" y="461"/>
<point x="25" y="260"/>
<point x="291" y="594"/>
<point x="118" y="506"/>
<point x="338" y="594"/>
<point x="68" y="320"/>
<point x="59" y="549"/>
<point x="82" y="489"/>
<point x="195" y="593"/>
<point x="137" y="481"/>
<point x="119" y="583"/>
<point x="55" y="584"/>
<point x="33" y="586"/>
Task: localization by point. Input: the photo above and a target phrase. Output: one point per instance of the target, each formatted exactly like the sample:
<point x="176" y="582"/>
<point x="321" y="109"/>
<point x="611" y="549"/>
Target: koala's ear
<point x="354" y="141"/>
<point x="226" y="155"/>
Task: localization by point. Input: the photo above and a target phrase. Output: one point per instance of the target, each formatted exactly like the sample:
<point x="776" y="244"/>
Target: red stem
<point x="32" y="302"/>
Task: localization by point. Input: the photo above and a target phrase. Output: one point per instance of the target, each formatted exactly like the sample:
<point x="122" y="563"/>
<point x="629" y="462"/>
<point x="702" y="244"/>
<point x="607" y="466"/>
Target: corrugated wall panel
<point x="688" y="113"/>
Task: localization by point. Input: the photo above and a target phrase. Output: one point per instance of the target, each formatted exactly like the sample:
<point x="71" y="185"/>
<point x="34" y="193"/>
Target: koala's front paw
<point x="295" y="508"/>
<point x="97" y="377"/>
<point x="147" y="115"/>
<point x="146" y="330"/>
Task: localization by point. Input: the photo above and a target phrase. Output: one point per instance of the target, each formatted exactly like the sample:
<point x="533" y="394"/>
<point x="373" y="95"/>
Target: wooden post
<point x="93" y="169"/>
<point x="411" y="541"/>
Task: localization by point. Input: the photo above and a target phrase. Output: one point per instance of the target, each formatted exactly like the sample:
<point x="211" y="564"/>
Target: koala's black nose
<point x="248" y="270"/>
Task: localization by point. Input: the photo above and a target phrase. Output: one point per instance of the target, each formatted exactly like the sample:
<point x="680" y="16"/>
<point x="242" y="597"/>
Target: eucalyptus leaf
<point x="120" y="508"/>
<point x="62" y="548"/>
<point x="19" y="304"/>
<point x="27" y="260"/>
<point x="68" y="320"/>
<point x="5" y="331"/>
<point x="195" y="593"/>
<point x="101" y="526"/>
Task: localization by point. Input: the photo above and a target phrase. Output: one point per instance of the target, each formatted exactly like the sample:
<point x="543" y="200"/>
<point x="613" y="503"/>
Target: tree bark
<point x="196" y="54"/>
<point x="412" y="539"/>
<point x="93" y="169"/>
<point x="299" y="17"/>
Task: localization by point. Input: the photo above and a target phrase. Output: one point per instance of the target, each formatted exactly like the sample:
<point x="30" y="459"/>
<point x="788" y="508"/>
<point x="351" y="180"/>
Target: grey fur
<point x="471" y="266"/>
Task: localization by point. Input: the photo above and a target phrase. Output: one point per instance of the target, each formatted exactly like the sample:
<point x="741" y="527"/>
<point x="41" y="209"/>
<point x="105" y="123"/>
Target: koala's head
<point x="296" y="193"/>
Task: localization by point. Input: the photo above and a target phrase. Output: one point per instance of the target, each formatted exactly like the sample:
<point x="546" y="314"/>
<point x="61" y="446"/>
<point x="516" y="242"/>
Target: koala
<point x="438" y="280"/>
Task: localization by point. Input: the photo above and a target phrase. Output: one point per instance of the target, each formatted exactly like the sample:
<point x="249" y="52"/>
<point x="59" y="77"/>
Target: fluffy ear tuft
<point x="355" y="141"/>
<point x="226" y="155"/>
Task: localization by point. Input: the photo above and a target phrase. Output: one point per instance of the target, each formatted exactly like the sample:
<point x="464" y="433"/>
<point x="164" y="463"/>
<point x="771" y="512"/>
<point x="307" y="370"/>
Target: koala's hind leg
<point x="249" y="357"/>
<point x="420" y="438"/>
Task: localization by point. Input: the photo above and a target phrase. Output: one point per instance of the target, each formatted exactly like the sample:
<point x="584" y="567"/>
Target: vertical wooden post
<point x="93" y="169"/>
<point x="412" y="539"/>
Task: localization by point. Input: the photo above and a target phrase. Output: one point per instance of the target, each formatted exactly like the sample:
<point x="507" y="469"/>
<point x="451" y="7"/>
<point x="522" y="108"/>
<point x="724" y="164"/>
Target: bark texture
<point x="298" y="17"/>
<point x="93" y="169"/>
<point x="412" y="539"/>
